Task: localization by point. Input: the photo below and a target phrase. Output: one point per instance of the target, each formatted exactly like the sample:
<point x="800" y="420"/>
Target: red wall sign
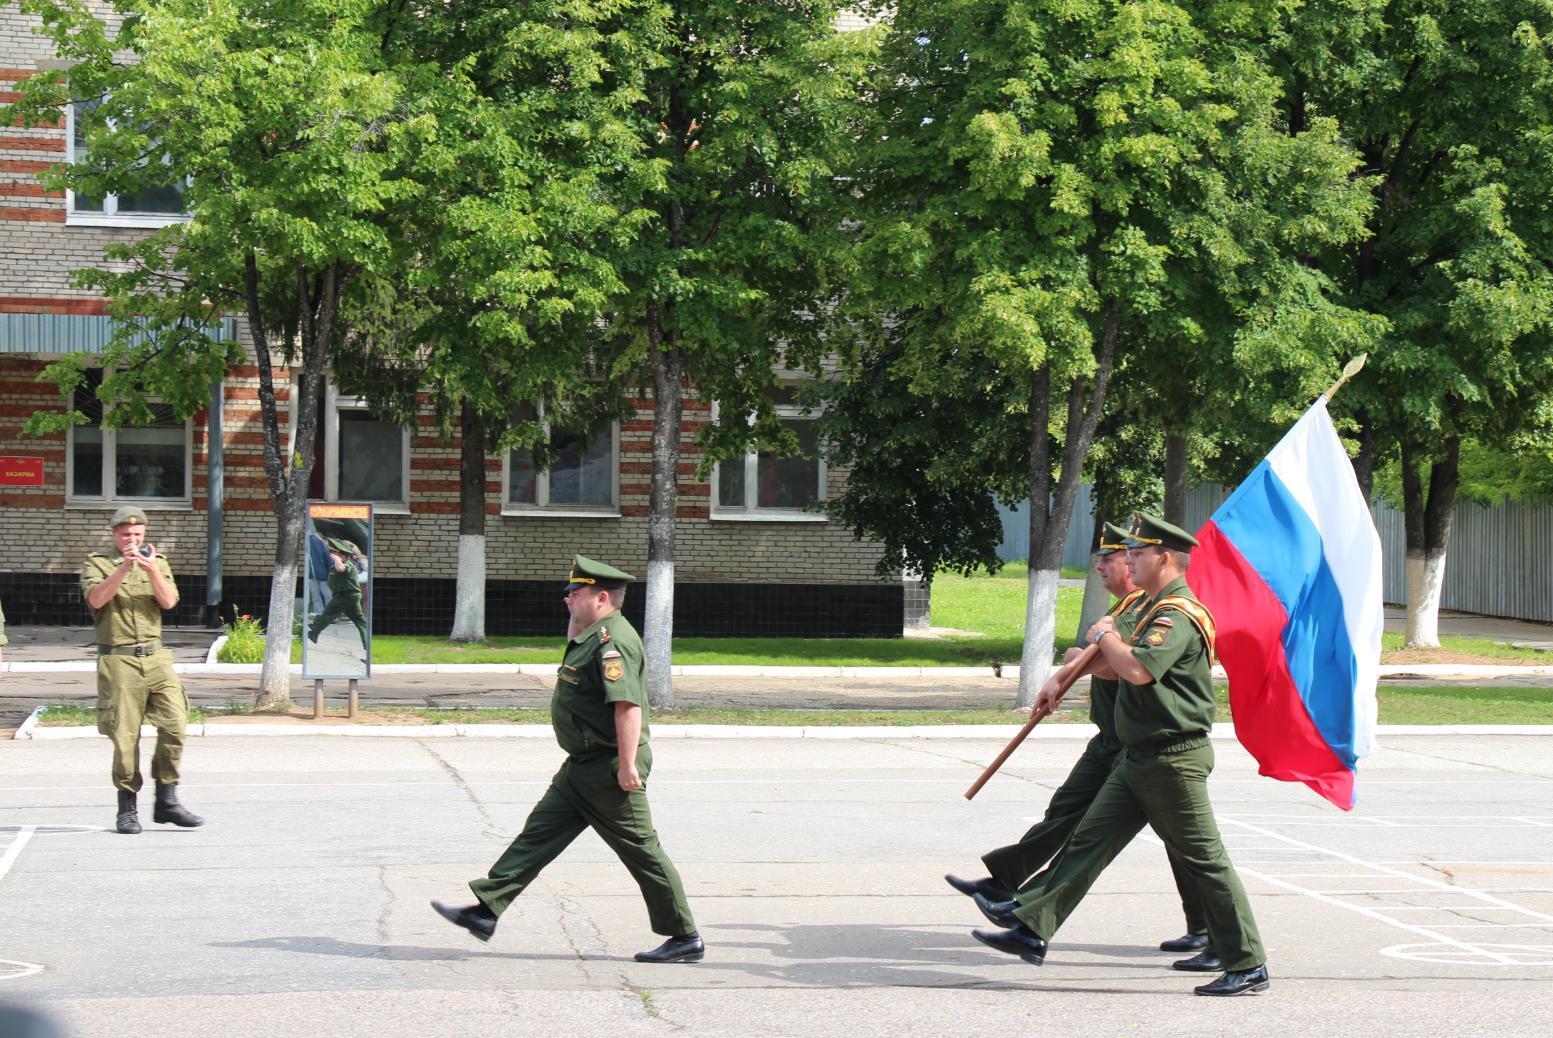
<point x="21" y="471"/>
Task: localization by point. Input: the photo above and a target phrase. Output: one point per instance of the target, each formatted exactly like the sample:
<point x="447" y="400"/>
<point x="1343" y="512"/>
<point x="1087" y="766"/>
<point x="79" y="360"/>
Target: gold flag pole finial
<point x="1350" y="369"/>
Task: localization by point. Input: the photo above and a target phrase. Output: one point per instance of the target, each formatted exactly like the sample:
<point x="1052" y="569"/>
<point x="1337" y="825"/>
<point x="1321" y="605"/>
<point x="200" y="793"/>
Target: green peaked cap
<point x="1150" y="530"/>
<point x="1112" y="539"/>
<point x="586" y="571"/>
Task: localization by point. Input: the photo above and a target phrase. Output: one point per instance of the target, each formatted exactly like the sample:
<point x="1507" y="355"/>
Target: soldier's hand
<point x="627" y="777"/>
<point x="1047" y="698"/>
<point x="139" y="558"/>
<point x="1105" y="623"/>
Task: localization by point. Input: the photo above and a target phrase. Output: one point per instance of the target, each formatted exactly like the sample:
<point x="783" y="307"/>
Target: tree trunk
<point x="1051" y="509"/>
<point x="289" y="474"/>
<point x="1175" y="478"/>
<point x="275" y="674"/>
<point x="469" y="594"/>
<point x="663" y="499"/>
<point x="1427" y="522"/>
<point x="1096" y="599"/>
<point x="1364" y="460"/>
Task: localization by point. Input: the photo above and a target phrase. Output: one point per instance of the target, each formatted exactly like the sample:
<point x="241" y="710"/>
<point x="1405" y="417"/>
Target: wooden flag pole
<point x="1081" y="665"/>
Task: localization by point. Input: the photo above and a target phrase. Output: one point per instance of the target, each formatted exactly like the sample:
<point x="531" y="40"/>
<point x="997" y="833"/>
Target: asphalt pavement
<point x="814" y="868"/>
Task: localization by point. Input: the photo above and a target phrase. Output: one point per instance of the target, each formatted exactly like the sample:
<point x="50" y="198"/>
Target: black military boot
<point x="128" y="821"/>
<point x="169" y="810"/>
<point x="681" y="948"/>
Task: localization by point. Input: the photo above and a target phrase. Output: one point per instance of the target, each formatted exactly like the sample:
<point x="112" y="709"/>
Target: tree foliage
<point x="1065" y="187"/>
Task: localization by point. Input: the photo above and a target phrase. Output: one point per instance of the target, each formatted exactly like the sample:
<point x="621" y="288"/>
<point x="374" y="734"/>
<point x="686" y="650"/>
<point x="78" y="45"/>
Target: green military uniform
<point x="135" y="679"/>
<point x="1161" y="780"/>
<point x="603" y="666"/>
<point x="344" y="600"/>
<point x="1016" y="865"/>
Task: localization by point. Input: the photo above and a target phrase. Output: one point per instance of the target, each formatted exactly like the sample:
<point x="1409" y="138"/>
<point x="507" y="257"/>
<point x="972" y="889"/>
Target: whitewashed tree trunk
<point x="658" y="618"/>
<point x="1425" y="579"/>
<point x="275" y="673"/>
<point x="469" y="595"/>
<point x="662" y="506"/>
<point x="1035" y="660"/>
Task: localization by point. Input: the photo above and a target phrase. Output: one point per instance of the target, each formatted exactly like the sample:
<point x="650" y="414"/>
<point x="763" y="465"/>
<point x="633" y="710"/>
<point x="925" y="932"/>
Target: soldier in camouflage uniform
<point x="127" y="590"/>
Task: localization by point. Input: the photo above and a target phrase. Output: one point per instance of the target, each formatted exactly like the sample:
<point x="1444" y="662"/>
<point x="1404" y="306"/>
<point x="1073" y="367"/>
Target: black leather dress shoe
<point x="688" y="948"/>
<point x="987" y="887"/>
<point x="1202" y="962"/>
<point x="475" y="918"/>
<point x="1238" y="982"/>
<point x="1016" y="940"/>
<point x="1000" y="912"/>
<point x="1187" y="942"/>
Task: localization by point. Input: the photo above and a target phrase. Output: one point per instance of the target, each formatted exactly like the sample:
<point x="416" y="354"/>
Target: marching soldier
<point x="344" y="582"/>
<point x="1011" y="868"/>
<point x="599" y="711"/>
<point x="127" y="592"/>
<point x="1164" y="712"/>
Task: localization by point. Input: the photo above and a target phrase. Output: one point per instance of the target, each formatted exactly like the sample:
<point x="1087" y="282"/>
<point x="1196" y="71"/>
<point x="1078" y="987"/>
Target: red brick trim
<point x="32" y="215"/>
<point x="47" y="144"/>
<point x="43" y="305"/>
<point x="15" y="190"/>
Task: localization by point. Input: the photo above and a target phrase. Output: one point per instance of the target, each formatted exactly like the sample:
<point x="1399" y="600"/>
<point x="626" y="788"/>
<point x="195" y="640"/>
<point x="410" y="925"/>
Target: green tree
<point x="1058" y="185"/>
<point x="1449" y="106"/>
<point x="745" y="110"/>
<point x="302" y="134"/>
<point x="498" y="282"/>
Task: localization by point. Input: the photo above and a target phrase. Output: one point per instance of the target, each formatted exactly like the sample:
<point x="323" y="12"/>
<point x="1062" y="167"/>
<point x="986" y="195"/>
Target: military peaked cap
<point x="1150" y="530"/>
<point x="1112" y="539"/>
<point x="587" y="573"/>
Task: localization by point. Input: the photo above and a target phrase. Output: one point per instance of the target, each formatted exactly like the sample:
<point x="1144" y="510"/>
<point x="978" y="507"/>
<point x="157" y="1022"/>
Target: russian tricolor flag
<point x="1290" y="568"/>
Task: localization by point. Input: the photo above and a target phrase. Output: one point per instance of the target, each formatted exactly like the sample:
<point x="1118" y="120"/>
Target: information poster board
<point x="337" y="591"/>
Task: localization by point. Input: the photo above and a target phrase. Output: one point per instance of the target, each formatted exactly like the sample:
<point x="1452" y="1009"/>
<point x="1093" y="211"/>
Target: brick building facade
<point x="750" y="561"/>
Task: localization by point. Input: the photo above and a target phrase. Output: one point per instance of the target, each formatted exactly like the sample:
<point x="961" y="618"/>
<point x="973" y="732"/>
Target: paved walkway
<point x="450" y="687"/>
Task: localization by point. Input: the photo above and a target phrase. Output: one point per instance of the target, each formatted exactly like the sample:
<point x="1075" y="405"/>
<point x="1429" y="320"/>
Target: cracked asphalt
<point x="815" y="870"/>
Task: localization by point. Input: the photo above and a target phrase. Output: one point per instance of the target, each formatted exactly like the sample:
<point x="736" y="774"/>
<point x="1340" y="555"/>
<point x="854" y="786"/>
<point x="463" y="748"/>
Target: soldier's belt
<point x="138" y="649"/>
<point x="1189" y="743"/>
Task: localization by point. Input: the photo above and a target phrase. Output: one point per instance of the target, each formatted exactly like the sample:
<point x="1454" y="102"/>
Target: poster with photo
<point x="337" y="591"/>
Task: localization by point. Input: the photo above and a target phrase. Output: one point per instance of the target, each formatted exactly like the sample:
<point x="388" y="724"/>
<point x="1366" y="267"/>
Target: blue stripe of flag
<point x="1267" y="525"/>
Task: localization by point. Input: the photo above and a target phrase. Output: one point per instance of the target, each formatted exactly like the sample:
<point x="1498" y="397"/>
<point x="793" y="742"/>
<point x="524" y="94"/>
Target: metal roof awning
<point x="71" y="333"/>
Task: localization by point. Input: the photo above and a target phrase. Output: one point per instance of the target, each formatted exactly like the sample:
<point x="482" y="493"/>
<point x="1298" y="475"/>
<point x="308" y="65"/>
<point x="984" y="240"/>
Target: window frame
<point x="110" y="465"/>
<point x="110" y="216"/>
<point x="334" y="403"/>
<point x="752" y="512"/>
<point x="542" y="508"/>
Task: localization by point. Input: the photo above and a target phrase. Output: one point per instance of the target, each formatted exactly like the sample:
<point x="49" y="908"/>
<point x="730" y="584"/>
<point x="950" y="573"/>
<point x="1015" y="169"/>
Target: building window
<point x="148" y="464"/>
<point x="365" y="458"/>
<point x="153" y="207"/>
<point x="764" y="484"/>
<point x="582" y="478"/>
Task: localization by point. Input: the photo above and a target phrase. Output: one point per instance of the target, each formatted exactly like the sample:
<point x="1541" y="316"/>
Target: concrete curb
<point x="713" y="731"/>
<point x="1392" y="672"/>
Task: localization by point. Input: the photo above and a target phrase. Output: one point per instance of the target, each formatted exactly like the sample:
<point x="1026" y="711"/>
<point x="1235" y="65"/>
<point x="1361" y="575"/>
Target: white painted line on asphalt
<point x="15" y="849"/>
<point x="1536" y="821"/>
<point x="10" y="969"/>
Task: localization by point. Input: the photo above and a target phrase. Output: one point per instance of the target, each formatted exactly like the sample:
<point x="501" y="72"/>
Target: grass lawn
<point x="987" y="610"/>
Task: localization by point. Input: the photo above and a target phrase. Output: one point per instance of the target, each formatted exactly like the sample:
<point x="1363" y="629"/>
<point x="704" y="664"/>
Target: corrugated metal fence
<point x="1499" y="563"/>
